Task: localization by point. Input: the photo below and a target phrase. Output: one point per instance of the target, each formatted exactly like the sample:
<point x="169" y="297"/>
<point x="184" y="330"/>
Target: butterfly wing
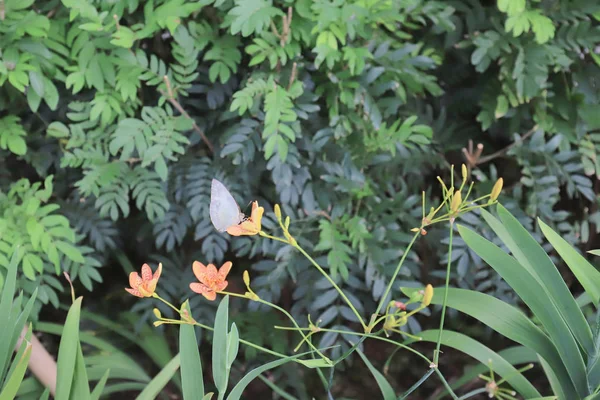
<point x="224" y="211"/>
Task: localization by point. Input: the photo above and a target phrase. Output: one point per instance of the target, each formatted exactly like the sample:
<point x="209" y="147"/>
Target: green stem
<point x="332" y="282"/>
<point x="261" y="233"/>
<point x="287" y="314"/>
<point x="472" y="393"/>
<point x="301" y="250"/>
<point x="264" y="349"/>
<point x="424" y="357"/>
<point x="282" y="393"/>
<point x="416" y="385"/>
<point x="156" y="296"/>
<point x="436" y="353"/>
<point x="389" y="286"/>
<point x="247" y="343"/>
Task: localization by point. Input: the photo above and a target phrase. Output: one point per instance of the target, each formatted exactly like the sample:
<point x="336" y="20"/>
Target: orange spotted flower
<point x="250" y="226"/>
<point x="211" y="280"/>
<point x="145" y="285"/>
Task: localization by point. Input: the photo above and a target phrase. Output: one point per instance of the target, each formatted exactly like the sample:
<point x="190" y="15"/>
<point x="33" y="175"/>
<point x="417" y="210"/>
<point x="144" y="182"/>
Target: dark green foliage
<point x="341" y="111"/>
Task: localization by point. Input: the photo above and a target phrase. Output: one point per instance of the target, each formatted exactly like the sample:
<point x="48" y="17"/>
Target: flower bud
<point x="277" y="212"/>
<point x="423" y="232"/>
<point x="427" y="296"/>
<point x="157" y="313"/>
<point x="246" y="278"/>
<point x="496" y="189"/>
<point x="287" y="222"/>
<point x="400" y="305"/>
<point x="456" y="201"/>
<point x="251" y="296"/>
<point x="429" y="216"/>
<point x="158" y="323"/>
<point x="403" y="320"/>
<point x="464" y="172"/>
<point x="414" y="230"/>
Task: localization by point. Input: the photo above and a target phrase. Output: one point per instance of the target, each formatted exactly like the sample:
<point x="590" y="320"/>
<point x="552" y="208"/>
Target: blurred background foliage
<point x="117" y="114"/>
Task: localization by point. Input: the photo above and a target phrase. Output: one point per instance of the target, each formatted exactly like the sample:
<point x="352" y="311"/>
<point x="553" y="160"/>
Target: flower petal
<point x="246" y="228"/>
<point x="146" y="273"/>
<point x="224" y="270"/>
<point x="257" y="214"/>
<point x="211" y="272"/>
<point x="199" y="287"/>
<point x="157" y="272"/>
<point x="134" y="280"/>
<point x="151" y="286"/>
<point x="203" y="290"/>
<point x="134" y="292"/>
<point x="210" y="295"/>
<point x="199" y="271"/>
<point x="220" y="286"/>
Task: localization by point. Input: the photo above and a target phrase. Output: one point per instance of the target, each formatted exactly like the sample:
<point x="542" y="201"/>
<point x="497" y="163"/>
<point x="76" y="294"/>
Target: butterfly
<point x="224" y="210"/>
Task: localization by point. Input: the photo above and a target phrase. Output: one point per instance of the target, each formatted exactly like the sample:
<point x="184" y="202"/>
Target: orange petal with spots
<point x="146" y="272"/>
<point x="134" y="292"/>
<point x="224" y="270"/>
<point x="134" y="280"/>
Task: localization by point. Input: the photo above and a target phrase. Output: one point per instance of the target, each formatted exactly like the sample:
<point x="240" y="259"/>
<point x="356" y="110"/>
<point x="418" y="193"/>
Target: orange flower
<point x="250" y="226"/>
<point x="145" y="285"/>
<point x="211" y="280"/>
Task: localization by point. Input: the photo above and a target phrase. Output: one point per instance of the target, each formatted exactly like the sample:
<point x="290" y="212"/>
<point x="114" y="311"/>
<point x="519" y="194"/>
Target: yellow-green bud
<point x="464" y="172"/>
<point x="456" y="201"/>
<point x="277" y="212"/>
<point x="496" y="189"/>
<point x="246" y="278"/>
<point x="157" y="313"/>
<point x="427" y="296"/>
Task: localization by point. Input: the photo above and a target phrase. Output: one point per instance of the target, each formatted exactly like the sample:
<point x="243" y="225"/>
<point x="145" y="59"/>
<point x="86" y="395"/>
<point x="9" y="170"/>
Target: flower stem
<point x="287" y="314"/>
<point x="389" y="287"/>
<point x="263" y="234"/>
<point x="436" y="353"/>
<point x="339" y="290"/>
<point x="424" y="357"/>
<point x="156" y="296"/>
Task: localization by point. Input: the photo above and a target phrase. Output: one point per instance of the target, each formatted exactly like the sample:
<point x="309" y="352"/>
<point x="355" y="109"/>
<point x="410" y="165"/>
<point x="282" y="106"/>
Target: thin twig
<point x="474" y="158"/>
<point x="293" y="76"/>
<point x="501" y="152"/>
<point x="171" y="98"/>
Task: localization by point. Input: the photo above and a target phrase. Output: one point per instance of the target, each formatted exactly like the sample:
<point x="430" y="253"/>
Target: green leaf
<point x="70" y="251"/>
<point x="58" y="130"/>
<point x="95" y="395"/>
<point x="542" y="26"/>
<point x="532" y="294"/>
<point x="192" y="381"/>
<point x="542" y="268"/>
<point x="238" y="390"/>
<point x="157" y="384"/>
<point x="50" y="94"/>
<point x="384" y="386"/>
<point x="67" y="352"/>
<point x="316" y="363"/>
<point x="80" y="388"/>
<point x="12" y="135"/>
<point x="587" y="275"/>
<point x="220" y="344"/>
<point x="233" y="345"/>
<point x="14" y="381"/>
<point x="485" y="356"/>
<point x="514" y="355"/>
<point x="6" y="305"/>
<point x="252" y="16"/>
<point x="505" y="319"/>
